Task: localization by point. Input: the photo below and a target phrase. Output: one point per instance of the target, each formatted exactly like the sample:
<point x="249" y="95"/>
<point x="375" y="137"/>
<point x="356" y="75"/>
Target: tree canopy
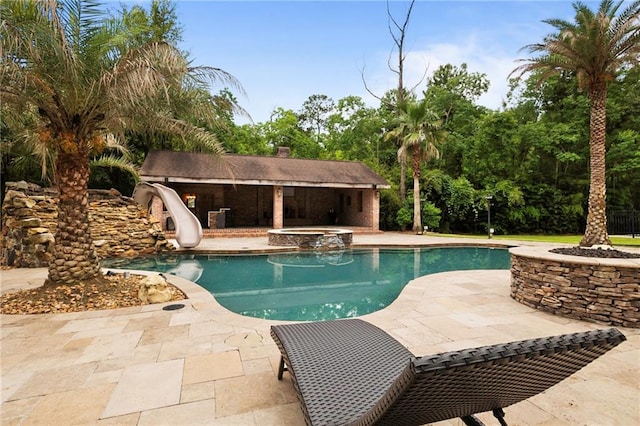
<point x="532" y="155"/>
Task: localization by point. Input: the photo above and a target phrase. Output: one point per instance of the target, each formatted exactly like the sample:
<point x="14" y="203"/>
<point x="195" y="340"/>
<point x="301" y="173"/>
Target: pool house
<point x="243" y="191"/>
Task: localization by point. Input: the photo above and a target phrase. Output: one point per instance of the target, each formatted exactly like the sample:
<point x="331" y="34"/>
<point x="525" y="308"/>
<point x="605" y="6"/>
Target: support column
<point x="278" y="207"/>
<point x="375" y="210"/>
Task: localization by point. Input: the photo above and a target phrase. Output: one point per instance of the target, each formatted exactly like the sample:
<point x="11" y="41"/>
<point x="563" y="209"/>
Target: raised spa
<point x="311" y="238"/>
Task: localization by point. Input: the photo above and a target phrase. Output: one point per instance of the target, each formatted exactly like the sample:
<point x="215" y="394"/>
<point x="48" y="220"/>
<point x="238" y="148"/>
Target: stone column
<point x="278" y="207"/>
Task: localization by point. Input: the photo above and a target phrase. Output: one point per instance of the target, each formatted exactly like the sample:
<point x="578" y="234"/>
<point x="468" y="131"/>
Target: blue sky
<point x="282" y="52"/>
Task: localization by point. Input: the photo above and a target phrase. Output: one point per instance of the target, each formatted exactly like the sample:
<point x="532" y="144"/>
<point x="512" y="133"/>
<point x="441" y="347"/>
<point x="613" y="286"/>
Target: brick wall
<point x="606" y="291"/>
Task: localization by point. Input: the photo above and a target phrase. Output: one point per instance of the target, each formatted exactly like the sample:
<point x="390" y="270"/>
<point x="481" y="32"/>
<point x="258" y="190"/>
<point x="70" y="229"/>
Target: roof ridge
<point x="258" y="156"/>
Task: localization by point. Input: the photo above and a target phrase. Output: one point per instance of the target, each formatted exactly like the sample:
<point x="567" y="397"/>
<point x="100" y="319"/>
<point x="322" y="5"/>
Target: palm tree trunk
<point x="76" y="260"/>
<point x="417" y="213"/>
<point x="596" y="229"/>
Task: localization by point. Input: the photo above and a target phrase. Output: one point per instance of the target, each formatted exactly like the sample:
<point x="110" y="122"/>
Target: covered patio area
<point x="238" y="191"/>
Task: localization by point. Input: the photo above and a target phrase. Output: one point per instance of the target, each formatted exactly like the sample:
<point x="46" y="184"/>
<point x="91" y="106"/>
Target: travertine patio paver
<point x="145" y="386"/>
<point x="206" y="365"/>
<point x="251" y="392"/>
<point x="55" y="409"/>
<point x="214" y="366"/>
<point x="50" y="381"/>
<point x="191" y="413"/>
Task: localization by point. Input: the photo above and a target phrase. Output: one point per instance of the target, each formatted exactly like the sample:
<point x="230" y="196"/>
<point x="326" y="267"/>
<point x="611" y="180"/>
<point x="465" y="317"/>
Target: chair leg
<point x="498" y="413"/>
<point x="281" y="368"/>
<point x="472" y="421"/>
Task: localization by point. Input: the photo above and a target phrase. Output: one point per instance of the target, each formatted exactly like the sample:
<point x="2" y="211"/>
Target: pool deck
<point x="205" y="365"/>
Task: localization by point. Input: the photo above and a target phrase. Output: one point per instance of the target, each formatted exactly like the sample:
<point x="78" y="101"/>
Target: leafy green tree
<point x="494" y="152"/>
<point x="387" y="153"/>
<point x="452" y="92"/>
<point x="623" y="152"/>
<point x="390" y="203"/>
<point x="420" y="132"/>
<point x="354" y="132"/>
<point x="284" y="129"/>
<point x="624" y="166"/>
<point x="404" y="216"/>
<point x="431" y="215"/>
<point x="459" y="82"/>
<point x="247" y="139"/>
<point x="594" y="47"/>
<point x="455" y="197"/>
<point x="159" y="23"/>
<point x="71" y="65"/>
<point x="314" y="113"/>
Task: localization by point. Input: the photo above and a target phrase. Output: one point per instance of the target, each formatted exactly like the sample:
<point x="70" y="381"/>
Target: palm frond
<point x="79" y="73"/>
<point x="211" y="75"/>
<point x="595" y="46"/>
<point x="117" y="162"/>
<point x="193" y="138"/>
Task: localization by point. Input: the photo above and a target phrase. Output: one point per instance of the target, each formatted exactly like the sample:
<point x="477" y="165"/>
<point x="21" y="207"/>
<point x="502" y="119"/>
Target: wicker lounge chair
<point x="349" y="372"/>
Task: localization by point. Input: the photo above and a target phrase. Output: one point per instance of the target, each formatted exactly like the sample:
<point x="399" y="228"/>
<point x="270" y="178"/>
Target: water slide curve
<point x="188" y="228"/>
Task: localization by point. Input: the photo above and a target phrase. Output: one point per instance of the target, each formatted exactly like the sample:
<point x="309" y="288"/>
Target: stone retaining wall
<point x="599" y="290"/>
<point x="119" y="226"/>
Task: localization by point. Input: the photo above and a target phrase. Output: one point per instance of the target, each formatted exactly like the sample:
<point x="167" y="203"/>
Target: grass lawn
<point x="560" y="239"/>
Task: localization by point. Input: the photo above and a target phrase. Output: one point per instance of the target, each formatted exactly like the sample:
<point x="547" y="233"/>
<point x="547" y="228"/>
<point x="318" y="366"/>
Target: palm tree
<point x="419" y="130"/>
<point x="594" y="48"/>
<point x="73" y="68"/>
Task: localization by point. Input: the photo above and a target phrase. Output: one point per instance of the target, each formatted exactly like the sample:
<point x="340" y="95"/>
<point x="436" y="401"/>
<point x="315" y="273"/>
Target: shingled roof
<point x="171" y="166"/>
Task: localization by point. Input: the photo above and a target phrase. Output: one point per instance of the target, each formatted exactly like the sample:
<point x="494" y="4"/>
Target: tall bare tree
<point x="398" y="31"/>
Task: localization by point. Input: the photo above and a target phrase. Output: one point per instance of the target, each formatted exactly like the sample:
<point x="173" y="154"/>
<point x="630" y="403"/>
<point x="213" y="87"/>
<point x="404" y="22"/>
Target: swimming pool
<point x="313" y="286"/>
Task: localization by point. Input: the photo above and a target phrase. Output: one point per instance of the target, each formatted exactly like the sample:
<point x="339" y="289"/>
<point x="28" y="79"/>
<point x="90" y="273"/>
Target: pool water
<point x="314" y="286"/>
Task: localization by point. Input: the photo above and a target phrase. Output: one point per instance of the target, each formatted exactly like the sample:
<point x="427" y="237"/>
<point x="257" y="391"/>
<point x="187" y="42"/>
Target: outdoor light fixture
<point x="489" y="230"/>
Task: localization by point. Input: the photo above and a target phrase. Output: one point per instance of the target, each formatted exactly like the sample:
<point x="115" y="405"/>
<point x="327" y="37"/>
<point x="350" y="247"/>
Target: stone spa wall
<point x="119" y="226"/>
<point x="606" y="291"/>
<point x="311" y="238"/>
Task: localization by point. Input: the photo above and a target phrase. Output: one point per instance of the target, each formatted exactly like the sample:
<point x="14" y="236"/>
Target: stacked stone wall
<point x="603" y="292"/>
<point x="118" y="225"/>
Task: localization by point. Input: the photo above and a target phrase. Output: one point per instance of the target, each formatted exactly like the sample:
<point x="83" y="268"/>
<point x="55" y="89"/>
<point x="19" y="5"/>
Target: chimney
<point x="284" y="151"/>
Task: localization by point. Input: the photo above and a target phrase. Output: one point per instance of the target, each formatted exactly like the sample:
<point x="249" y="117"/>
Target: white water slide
<point x="188" y="228"/>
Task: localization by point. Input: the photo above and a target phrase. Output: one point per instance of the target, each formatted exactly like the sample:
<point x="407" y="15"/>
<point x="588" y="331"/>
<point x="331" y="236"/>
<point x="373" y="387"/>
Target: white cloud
<point x="483" y="57"/>
<point x="479" y="57"/>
